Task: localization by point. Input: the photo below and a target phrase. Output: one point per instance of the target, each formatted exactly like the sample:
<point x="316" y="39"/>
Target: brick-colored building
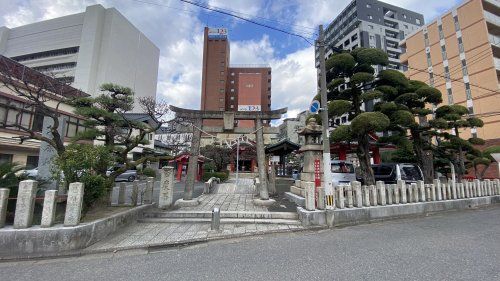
<point x="228" y="87"/>
<point x="459" y="54"/>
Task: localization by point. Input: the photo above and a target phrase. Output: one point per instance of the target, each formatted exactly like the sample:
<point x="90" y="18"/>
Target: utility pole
<point x="324" y="115"/>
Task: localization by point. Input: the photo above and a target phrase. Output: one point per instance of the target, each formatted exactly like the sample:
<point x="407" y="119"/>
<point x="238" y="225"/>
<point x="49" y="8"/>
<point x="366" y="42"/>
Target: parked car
<point x="390" y="173"/>
<point x="32" y="173"/>
<point x="128" y="175"/>
<point x="342" y="172"/>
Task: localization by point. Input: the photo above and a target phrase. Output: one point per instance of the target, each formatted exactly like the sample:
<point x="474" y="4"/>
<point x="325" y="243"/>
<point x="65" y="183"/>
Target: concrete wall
<point x="58" y="240"/>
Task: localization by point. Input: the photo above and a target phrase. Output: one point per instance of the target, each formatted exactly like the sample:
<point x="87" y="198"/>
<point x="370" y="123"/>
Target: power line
<point x="246" y="19"/>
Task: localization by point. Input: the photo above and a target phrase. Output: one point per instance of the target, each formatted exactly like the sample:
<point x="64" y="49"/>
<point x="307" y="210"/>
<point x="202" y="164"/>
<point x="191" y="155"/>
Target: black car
<point x="390" y="173"/>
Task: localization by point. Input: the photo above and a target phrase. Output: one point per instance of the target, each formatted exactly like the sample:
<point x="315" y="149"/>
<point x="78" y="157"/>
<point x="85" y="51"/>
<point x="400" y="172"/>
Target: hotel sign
<point x="249" y="108"/>
<point x="217" y="32"/>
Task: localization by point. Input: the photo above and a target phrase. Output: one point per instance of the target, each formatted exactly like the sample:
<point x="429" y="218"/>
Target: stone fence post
<point x="122" y="189"/>
<point x="497" y="185"/>
<point x="358" y="193"/>
<point x="49" y="208"/>
<point x="166" y="188"/>
<point x="135" y="193"/>
<point x="4" y="199"/>
<point x="366" y="196"/>
<point x="402" y="187"/>
<point x="381" y="193"/>
<point x="421" y="191"/>
<point x="440" y="194"/>
<point x="148" y="193"/>
<point x="74" y="204"/>
<point x="25" y="204"/>
<point x="341" y="202"/>
<point x="350" y="201"/>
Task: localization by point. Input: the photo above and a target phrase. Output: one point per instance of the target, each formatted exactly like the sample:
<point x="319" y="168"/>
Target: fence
<point x="354" y="195"/>
<point x="25" y="205"/>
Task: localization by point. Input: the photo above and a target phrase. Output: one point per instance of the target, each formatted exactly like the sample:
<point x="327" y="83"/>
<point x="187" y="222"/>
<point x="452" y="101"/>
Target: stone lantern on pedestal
<point x="312" y="150"/>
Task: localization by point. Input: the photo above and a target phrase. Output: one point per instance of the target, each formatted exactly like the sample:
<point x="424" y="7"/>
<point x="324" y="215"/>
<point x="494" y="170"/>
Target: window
<point x="6" y="158"/>
<point x="221" y="90"/>
<point x="370" y="26"/>
<point x="31" y="162"/>
<point x="406" y="26"/>
<point x="450" y="96"/>
<point x="441" y="34"/>
<point x="474" y="135"/>
<point x="222" y="73"/>
<point x="460" y="45"/>
<point x="232" y="81"/>
<point x="447" y="73"/>
<point x="418" y="21"/>
<point x="404" y="16"/>
<point x="231" y="106"/>
<point x="232" y="73"/>
<point x="426" y="39"/>
<point x="232" y="98"/>
<point x="431" y="79"/>
<point x="221" y="100"/>
<point x="53" y="53"/>
<point x="232" y="90"/>
<point x="457" y="25"/>
<point x="443" y="52"/>
<point x="464" y="68"/>
<point x="222" y="81"/>
<point x="370" y="17"/>
<point x="368" y="6"/>
<point x="471" y="110"/>
<point x="429" y="61"/>
<point x="468" y="93"/>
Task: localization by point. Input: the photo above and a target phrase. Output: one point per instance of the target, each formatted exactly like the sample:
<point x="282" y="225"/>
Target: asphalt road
<point x="449" y="246"/>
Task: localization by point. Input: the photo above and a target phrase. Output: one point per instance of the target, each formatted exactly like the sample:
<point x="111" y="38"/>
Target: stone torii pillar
<point x="197" y="117"/>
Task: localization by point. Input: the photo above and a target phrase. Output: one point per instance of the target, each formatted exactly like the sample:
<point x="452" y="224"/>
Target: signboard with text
<point x="217" y="32"/>
<point x="249" y="108"/>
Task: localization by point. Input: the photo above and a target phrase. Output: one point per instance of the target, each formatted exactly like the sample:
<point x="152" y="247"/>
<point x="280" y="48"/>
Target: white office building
<point x="87" y="49"/>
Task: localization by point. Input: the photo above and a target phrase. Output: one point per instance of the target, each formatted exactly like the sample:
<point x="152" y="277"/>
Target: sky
<point x="177" y="29"/>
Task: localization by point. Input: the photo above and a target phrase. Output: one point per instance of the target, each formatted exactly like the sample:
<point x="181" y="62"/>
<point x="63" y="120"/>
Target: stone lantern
<point x="312" y="150"/>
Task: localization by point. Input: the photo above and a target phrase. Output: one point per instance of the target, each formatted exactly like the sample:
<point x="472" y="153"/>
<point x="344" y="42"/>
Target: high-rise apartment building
<point x="372" y="24"/>
<point x="228" y="87"/>
<point x="87" y="49"/>
<point x="459" y="54"/>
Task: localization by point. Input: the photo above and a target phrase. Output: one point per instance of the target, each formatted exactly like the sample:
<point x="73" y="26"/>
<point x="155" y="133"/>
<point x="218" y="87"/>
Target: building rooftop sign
<point x="217" y="33"/>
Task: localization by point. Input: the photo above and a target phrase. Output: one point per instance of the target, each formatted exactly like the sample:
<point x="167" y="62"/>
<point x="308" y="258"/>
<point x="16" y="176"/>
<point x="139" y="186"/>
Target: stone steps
<point x="223" y="214"/>
<point x="222" y="220"/>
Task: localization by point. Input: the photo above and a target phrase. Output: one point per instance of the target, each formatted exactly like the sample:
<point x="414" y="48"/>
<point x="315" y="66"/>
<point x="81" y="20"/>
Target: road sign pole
<point x="324" y="114"/>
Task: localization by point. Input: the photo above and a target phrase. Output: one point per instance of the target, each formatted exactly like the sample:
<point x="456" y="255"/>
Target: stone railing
<point x="210" y="184"/>
<point x="354" y="195"/>
<point x="25" y="205"/>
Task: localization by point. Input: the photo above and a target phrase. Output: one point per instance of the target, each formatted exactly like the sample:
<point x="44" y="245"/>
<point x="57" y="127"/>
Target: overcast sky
<point x="177" y="29"/>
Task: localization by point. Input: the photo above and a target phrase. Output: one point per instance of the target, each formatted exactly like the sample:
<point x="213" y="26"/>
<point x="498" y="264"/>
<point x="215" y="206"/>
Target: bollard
<point x="341" y="202"/>
<point x="357" y="193"/>
<point x="25" y="204"/>
<point x="121" y="193"/>
<point x="497" y="185"/>
<point x="466" y="189"/>
<point x="421" y="191"/>
<point x="437" y="185"/>
<point x="49" y="208"/>
<point x="350" y="203"/>
<point x="381" y="193"/>
<point x="135" y="192"/>
<point x="433" y="192"/>
<point x="321" y="198"/>
<point x="373" y="195"/>
<point x="215" y="219"/>
<point x="448" y="191"/>
<point x="390" y="192"/>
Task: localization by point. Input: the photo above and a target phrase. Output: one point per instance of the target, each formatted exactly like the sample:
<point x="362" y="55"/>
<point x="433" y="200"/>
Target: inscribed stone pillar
<point x="357" y="193"/>
<point x="448" y="191"/>
<point x="366" y="196"/>
<point x="122" y="190"/>
<point x="350" y="202"/>
<point x="321" y="198"/>
<point x="25" y="204"/>
<point x="74" y="204"/>
<point x="421" y="191"/>
<point x="49" y="208"/>
<point x="454" y="190"/>
<point x="396" y="194"/>
<point x="497" y="185"/>
<point x="264" y="192"/>
<point x="390" y="192"/>
<point x="166" y="188"/>
<point x="443" y="191"/>
<point x="193" y="160"/>
<point x="148" y="193"/>
<point x="310" y="196"/>
<point x="340" y="189"/>
<point x="48" y="152"/>
<point x="402" y="187"/>
<point x="414" y="192"/>
<point x="4" y="199"/>
<point x="488" y="187"/>
<point x="135" y="193"/>
<point x="462" y="190"/>
<point x="373" y="195"/>
<point x="477" y="184"/>
<point x="439" y="192"/>
<point x="466" y="189"/>
<point x="381" y="193"/>
<point x="433" y="192"/>
<point x="272" y="179"/>
<point x="410" y="193"/>
<point x="428" y="192"/>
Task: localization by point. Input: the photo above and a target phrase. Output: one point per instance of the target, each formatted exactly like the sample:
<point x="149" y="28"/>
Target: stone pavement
<point x="226" y="202"/>
<point x="145" y="235"/>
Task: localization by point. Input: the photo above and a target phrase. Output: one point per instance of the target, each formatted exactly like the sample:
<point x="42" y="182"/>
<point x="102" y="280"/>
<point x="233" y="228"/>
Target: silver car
<point x="128" y="175"/>
<point x="342" y="172"/>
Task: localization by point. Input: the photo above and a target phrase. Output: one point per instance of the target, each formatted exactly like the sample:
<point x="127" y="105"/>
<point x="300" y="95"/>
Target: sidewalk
<point x="146" y="235"/>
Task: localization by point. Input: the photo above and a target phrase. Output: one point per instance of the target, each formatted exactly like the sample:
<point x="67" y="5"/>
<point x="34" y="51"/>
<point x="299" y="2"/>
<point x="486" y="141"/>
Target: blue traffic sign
<point x="314" y="108"/>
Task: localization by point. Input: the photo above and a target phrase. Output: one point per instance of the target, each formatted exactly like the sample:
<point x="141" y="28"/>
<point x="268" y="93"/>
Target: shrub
<point x="149" y="172"/>
<point x="223" y="176"/>
<point x="95" y="187"/>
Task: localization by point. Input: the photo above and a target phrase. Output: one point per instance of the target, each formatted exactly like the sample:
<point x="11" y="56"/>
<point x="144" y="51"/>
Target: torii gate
<point x="197" y="117"/>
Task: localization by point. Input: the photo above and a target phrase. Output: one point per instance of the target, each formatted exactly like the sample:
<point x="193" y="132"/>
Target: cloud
<point x="243" y="7"/>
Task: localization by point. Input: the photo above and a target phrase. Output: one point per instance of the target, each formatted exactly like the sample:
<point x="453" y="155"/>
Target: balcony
<point x="493" y="23"/>
<point x="392" y="34"/>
